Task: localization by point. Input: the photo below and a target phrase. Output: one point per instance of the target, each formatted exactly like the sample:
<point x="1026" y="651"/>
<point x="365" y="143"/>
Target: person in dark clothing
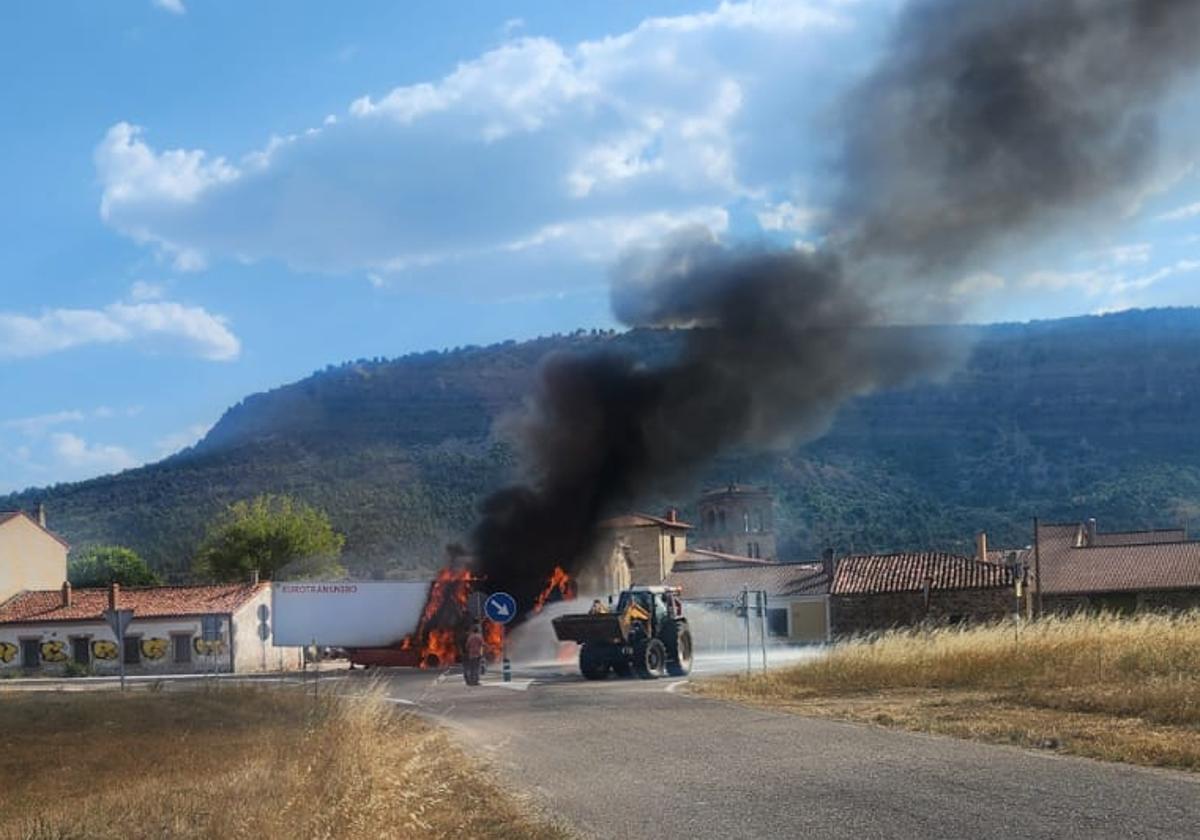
<point x="474" y="661"/>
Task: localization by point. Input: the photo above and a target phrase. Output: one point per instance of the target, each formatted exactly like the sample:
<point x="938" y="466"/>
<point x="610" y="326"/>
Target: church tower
<point x="737" y="519"/>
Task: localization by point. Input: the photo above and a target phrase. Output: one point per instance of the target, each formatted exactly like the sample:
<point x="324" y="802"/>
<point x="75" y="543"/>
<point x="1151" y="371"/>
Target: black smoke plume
<point x="983" y="122"/>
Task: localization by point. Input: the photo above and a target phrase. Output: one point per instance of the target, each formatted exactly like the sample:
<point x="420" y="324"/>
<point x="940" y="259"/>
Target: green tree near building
<point x="277" y="536"/>
<point x="101" y="565"/>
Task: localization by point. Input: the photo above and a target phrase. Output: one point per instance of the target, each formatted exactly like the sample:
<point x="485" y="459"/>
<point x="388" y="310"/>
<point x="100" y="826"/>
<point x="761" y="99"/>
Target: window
<point x="749" y="549"/>
<point x="133" y="650"/>
<point x="721" y="518"/>
<point x="181" y="648"/>
<point x="777" y="622"/>
<point x="672" y="543"/>
<point x="31" y="654"/>
<point x="81" y="650"/>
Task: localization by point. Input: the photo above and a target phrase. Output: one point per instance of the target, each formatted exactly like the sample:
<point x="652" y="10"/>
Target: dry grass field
<point x="1106" y="687"/>
<point x="239" y="762"/>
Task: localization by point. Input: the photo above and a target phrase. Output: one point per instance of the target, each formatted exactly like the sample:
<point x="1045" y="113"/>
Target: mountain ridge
<point x="1090" y="415"/>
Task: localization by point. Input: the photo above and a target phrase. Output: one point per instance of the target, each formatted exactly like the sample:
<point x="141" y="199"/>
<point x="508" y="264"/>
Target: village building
<point x="641" y="549"/>
<point x="46" y="632"/>
<point x="31" y="556"/>
<point x="1077" y="567"/>
<point x="874" y="592"/>
<point x="737" y="519"/>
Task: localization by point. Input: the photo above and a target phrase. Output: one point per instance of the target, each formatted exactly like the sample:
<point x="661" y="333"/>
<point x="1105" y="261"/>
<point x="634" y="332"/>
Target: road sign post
<point x="119" y="620"/>
<point x="501" y="608"/>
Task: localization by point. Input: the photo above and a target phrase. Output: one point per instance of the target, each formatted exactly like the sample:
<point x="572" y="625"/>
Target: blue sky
<point x="207" y="198"/>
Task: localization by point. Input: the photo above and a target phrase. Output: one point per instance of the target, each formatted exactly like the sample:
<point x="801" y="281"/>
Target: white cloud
<point x="975" y="285"/>
<point x="1090" y="281"/>
<point x="1179" y="214"/>
<point x="76" y="453"/>
<point x="787" y="216"/>
<point x="1139" y="252"/>
<point x="531" y="144"/>
<point x="38" y="424"/>
<point x="173" y="6"/>
<point x="172" y="443"/>
<point x="143" y="291"/>
<point x="193" y="328"/>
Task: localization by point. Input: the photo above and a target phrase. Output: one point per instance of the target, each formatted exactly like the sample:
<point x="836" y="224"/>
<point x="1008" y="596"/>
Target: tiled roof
<point x="1116" y="565"/>
<point x="703" y="558"/>
<point x="7" y="515"/>
<point x="870" y="574"/>
<point x="1000" y="556"/>
<point x="640" y="520"/>
<point x="146" y="602"/>
<point x="778" y="579"/>
<point x="1171" y="535"/>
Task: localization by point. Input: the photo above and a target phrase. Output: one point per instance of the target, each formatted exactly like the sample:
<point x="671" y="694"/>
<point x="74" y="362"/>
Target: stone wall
<point x="1163" y="599"/>
<point x="855" y="614"/>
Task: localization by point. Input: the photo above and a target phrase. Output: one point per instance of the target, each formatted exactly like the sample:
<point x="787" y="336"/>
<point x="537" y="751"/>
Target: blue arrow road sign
<point x="501" y="607"/>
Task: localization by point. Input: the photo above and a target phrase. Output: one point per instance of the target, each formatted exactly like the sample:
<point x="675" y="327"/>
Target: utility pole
<point x="1037" y="567"/>
<point x="746" y="618"/>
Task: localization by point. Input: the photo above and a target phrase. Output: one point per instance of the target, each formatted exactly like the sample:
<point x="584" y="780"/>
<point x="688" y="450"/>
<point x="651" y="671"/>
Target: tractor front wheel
<point x="649" y="659"/>
<point x="679" y="660"/>
<point x="593" y="664"/>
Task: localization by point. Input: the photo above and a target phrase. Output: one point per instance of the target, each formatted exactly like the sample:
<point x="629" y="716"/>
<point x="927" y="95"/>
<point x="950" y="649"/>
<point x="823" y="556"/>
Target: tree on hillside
<point x="101" y="565"/>
<point x="276" y="536"/>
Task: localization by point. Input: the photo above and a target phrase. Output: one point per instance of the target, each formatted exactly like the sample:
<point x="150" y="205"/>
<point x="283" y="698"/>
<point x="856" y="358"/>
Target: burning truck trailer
<point x="399" y="624"/>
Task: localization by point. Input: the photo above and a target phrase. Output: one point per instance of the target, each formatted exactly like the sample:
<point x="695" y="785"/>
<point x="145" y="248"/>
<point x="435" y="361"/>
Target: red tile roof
<point x="6" y="515"/>
<point x="1118" y="562"/>
<point x="146" y="602"/>
<point x="640" y="520"/>
<point x="778" y="579"/>
<point x="872" y="574"/>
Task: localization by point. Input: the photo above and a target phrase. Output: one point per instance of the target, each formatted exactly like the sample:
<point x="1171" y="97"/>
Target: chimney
<point x="41" y="514"/>
<point x="66" y="593"/>
<point x="114" y="596"/>
<point x="1091" y="531"/>
<point x="827" y="563"/>
<point x="981" y="547"/>
<point x="254" y="577"/>
<point x="672" y="515"/>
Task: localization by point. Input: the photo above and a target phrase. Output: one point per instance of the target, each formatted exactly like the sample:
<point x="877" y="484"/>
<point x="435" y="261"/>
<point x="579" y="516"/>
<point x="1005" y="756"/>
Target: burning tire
<point x="679" y="654"/>
<point x="649" y="659"/>
<point x="593" y="664"/>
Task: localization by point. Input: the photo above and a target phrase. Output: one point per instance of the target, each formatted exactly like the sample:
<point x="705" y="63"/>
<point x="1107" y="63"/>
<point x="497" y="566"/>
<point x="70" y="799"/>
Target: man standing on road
<point x="474" y="656"/>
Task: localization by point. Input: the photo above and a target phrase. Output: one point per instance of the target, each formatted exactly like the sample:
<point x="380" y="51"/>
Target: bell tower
<point x="737" y="519"/>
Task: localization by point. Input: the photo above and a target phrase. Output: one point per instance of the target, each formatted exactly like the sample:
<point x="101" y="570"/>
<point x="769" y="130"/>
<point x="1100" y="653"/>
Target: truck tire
<point x="649" y="659"/>
<point x="679" y="655"/>
<point x="593" y="663"/>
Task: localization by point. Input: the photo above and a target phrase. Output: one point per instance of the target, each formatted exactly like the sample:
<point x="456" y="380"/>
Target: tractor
<point x="646" y="634"/>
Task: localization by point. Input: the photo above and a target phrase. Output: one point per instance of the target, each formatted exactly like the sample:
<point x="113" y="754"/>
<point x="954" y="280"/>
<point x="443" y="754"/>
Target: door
<point x="31" y="655"/>
<point x="81" y="650"/>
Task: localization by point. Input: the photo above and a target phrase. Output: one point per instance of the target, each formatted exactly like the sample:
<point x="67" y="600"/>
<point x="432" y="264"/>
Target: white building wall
<point x="154" y="636"/>
<point x="250" y="650"/>
<point x="239" y="649"/>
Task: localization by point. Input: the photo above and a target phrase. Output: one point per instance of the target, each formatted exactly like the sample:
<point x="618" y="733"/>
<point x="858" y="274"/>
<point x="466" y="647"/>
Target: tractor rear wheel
<point x="593" y="664"/>
<point x="649" y="659"/>
<point x="679" y="655"/>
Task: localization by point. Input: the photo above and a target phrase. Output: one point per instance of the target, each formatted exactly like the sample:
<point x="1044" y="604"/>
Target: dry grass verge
<point x="1101" y="686"/>
<point x="239" y="762"/>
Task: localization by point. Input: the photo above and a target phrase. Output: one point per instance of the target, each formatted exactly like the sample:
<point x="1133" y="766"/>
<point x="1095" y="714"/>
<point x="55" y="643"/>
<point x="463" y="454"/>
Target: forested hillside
<point x="1084" y="416"/>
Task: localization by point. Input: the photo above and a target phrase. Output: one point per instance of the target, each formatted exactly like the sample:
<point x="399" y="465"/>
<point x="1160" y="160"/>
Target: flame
<point x="559" y="582"/>
<point x="445" y="613"/>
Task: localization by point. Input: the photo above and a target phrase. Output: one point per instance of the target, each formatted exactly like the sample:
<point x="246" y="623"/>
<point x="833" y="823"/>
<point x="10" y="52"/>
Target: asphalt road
<point x="645" y="759"/>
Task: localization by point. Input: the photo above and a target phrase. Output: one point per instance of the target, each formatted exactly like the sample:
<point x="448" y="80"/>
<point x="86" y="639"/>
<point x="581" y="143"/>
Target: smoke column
<point x="982" y="122"/>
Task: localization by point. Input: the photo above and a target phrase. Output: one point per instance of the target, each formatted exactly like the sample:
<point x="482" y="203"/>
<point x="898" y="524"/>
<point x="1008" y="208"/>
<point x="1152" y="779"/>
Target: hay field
<point x="239" y="762"/>
<point x="1121" y="689"/>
